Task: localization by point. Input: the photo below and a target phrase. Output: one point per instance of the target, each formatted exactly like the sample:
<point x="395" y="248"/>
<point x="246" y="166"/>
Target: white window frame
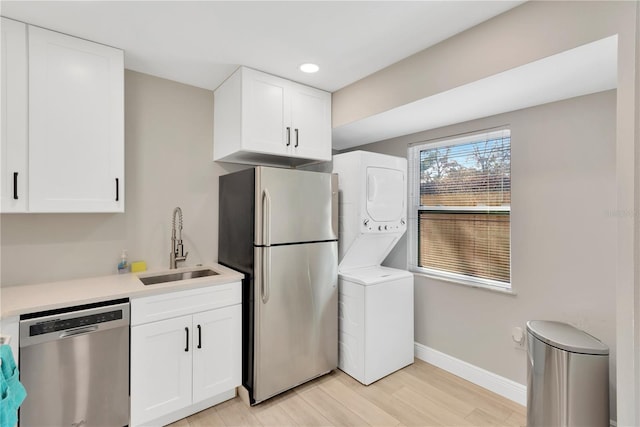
<point x="413" y="171"/>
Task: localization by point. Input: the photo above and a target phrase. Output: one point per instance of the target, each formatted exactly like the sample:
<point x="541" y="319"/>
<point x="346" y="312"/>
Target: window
<point x="460" y="192"/>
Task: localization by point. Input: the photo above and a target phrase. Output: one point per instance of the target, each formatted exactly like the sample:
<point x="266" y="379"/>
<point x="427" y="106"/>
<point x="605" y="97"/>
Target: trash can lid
<point x="566" y="337"/>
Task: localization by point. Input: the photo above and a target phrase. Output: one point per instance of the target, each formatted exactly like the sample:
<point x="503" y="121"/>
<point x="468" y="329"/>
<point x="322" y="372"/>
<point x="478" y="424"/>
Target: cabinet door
<point x="217" y="352"/>
<point x="265" y="114"/>
<point x="161" y="363"/>
<point x="311" y="122"/>
<point x="76" y="124"/>
<point x="14" y="116"/>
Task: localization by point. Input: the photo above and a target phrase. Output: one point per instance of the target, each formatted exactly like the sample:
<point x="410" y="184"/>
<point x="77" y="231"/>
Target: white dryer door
<point x="386" y="194"/>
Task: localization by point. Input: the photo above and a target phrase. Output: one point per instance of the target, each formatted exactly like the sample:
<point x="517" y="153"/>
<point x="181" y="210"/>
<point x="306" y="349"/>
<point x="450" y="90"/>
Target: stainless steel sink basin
<point x="173" y="277"/>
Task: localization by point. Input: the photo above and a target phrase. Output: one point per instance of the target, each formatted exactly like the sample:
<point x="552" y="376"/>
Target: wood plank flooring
<point x="418" y="395"/>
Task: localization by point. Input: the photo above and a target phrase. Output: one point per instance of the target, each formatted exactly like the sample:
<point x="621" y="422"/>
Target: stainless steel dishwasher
<point x="74" y="364"/>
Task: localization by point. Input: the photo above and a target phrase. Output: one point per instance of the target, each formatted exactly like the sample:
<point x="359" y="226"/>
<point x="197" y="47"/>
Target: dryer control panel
<point x="368" y="225"/>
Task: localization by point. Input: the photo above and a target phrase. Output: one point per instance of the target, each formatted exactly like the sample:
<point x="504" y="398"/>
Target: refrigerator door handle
<point x="266" y="272"/>
<point x="335" y="223"/>
<point x="266" y="240"/>
<point x="266" y="218"/>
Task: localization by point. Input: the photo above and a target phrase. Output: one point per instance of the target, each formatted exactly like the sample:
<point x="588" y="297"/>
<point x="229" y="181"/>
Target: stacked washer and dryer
<point x="375" y="302"/>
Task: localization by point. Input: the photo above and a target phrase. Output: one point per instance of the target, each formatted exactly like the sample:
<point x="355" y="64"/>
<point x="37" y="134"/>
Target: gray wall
<point x="168" y="163"/>
<point x="563" y="237"/>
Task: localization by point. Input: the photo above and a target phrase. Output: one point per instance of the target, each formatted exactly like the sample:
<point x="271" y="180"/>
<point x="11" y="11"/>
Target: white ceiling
<point x="201" y="42"/>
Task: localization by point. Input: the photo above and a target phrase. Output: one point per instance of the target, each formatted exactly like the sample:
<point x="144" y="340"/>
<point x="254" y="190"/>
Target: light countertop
<point x="17" y="300"/>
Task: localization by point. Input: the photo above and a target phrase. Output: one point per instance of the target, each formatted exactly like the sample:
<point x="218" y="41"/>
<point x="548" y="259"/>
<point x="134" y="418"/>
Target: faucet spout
<point x="177" y="248"/>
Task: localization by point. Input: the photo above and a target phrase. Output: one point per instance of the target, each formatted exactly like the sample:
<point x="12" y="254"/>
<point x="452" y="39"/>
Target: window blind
<point x="462" y="195"/>
<point x="471" y="244"/>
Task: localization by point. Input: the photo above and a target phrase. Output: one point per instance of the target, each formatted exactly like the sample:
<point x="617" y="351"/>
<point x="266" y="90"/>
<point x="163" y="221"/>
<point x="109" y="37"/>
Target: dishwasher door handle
<point x="80" y="331"/>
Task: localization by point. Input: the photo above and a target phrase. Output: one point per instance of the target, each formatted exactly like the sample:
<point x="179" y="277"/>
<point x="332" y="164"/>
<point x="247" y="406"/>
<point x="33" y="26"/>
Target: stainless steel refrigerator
<point x="279" y="227"/>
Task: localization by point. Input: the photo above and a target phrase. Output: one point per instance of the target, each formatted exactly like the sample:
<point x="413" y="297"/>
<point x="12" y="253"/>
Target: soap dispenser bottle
<point x="123" y="265"/>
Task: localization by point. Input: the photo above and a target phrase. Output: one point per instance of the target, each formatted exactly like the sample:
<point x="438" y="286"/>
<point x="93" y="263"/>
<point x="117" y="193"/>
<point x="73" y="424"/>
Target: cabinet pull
<point x="199" y="337"/>
<point x="117" y="189"/>
<point x="296" y="137"/>
<point x="288" y="136"/>
<point x="15" y="186"/>
<point x="186" y="330"/>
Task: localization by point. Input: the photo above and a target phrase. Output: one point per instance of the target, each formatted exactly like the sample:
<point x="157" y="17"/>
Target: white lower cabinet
<point x="161" y="369"/>
<point x="217" y="355"/>
<point x="184" y="364"/>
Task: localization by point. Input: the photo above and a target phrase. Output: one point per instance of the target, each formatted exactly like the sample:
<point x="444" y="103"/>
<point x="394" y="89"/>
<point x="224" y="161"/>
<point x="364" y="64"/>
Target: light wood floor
<point x="418" y="395"/>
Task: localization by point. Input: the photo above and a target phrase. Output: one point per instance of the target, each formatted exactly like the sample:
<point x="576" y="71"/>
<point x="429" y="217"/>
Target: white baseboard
<point x="190" y="410"/>
<point x="500" y="385"/>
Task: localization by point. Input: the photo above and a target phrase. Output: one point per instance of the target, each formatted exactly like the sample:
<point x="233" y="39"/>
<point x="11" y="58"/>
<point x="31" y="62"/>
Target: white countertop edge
<point x="23" y="299"/>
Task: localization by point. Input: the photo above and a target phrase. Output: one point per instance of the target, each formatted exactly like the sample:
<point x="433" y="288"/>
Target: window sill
<point x="463" y="282"/>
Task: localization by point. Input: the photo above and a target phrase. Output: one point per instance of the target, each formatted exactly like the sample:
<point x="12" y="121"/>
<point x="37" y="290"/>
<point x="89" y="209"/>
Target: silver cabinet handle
<point x="288" y="136"/>
<point x="296" y="130"/>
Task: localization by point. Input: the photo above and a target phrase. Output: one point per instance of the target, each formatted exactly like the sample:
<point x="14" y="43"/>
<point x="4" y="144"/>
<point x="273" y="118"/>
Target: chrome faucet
<point x="177" y="250"/>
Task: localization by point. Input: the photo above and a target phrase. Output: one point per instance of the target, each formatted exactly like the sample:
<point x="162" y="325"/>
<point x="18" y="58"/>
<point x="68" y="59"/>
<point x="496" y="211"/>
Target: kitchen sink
<point x="173" y="277"/>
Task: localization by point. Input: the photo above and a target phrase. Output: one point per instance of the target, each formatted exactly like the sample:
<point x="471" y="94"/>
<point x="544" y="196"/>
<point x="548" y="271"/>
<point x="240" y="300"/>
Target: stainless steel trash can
<point x="567" y="377"/>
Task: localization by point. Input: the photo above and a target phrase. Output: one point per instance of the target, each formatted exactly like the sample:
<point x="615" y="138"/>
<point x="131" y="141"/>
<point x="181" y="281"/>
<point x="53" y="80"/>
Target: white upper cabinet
<point x="311" y="123"/>
<point x="263" y="119"/>
<point x="14" y="179"/>
<point x="76" y="124"/>
<point x="62" y="122"/>
<point x="265" y="112"/>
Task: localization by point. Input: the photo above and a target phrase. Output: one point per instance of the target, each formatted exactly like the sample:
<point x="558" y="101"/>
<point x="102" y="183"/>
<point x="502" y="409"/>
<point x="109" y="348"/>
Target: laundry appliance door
<point x="386" y="194"/>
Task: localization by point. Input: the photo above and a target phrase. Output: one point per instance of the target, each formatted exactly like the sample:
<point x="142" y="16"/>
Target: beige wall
<point x="532" y="31"/>
<point x="168" y="152"/>
<point x="529" y="32"/>
<point x="563" y="237"/>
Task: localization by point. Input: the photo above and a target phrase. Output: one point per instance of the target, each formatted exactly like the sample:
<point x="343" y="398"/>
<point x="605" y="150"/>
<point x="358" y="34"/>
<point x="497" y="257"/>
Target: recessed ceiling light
<point x="309" y="68"/>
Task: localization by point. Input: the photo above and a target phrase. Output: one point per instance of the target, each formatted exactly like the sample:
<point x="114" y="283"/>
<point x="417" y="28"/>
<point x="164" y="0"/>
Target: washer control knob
<point x="380" y="227"/>
<point x="402" y="221"/>
<point x="365" y="222"/>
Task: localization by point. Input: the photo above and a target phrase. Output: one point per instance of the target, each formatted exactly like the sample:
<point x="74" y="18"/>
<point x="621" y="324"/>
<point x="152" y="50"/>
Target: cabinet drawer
<point x="174" y="304"/>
